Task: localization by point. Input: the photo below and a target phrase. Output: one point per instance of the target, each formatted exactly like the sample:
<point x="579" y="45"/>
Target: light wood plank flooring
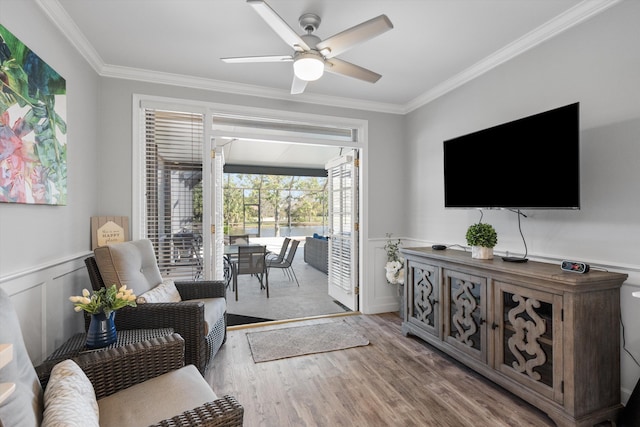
<point x="394" y="381"/>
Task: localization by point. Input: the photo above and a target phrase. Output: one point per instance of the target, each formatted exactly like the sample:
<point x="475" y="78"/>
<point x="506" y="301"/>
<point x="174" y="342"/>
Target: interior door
<point x="342" y="173"/>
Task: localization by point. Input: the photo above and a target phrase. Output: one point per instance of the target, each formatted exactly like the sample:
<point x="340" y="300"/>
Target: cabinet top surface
<point x="536" y="269"/>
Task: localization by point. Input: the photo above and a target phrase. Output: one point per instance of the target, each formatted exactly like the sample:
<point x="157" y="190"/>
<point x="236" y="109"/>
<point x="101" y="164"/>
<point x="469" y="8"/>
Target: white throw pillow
<point x="69" y="399"/>
<point x="164" y="292"/>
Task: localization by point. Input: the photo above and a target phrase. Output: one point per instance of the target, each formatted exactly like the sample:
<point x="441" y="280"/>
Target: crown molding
<point x="61" y="19"/>
<point x="156" y="77"/>
<point x="570" y="18"/>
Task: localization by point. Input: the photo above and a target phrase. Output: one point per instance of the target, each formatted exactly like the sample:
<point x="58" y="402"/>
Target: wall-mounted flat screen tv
<point x="529" y="163"/>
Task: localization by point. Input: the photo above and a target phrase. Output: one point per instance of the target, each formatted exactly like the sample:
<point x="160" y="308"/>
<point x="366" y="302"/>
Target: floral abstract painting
<point x="33" y="129"/>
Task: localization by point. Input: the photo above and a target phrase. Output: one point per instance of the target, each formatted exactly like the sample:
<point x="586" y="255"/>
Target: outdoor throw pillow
<point x="69" y="399"/>
<point x="164" y="292"/>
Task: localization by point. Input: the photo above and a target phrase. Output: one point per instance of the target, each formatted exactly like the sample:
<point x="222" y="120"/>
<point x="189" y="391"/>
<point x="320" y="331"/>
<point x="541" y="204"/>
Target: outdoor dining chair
<point x="272" y="257"/>
<point x="287" y="263"/>
<point x="239" y="239"/>
<point x="251" y="260"/>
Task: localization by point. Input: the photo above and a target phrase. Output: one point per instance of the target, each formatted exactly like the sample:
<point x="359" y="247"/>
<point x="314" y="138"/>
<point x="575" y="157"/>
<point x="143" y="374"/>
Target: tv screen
<point x="529" y="163"/>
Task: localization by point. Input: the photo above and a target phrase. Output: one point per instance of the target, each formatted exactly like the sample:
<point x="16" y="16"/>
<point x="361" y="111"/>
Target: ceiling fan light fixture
<point x="308" y="66"/>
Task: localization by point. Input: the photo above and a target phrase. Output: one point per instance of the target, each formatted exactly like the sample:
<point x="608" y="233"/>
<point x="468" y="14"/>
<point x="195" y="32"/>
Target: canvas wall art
<point x="33" y="130"/>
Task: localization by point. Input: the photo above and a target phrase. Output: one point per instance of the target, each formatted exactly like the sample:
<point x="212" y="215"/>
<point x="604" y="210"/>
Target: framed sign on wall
<point x="108" y="229"/>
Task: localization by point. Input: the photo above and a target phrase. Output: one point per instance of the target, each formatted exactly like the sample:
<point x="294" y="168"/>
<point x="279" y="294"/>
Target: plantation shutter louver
<point x="173" y="191"/>
<point x="343" y="233"/>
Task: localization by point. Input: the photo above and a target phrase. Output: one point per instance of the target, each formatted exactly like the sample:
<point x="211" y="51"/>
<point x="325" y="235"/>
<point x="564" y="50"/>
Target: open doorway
<point x="173" y="155"/>
<point x="312" y="207"/>
<point x="275" y="207"/>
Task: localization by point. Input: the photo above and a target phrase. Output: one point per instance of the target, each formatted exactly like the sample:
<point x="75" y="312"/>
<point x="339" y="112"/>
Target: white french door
<point x="343" y="229"/>
<point x="217" y="212"/>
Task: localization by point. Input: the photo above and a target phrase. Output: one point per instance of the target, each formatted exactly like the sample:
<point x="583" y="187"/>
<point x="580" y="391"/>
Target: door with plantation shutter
<point x="343" y="231"/>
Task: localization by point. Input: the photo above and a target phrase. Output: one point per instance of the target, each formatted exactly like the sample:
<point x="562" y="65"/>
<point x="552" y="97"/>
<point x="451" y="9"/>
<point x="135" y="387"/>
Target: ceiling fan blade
<point x="278" y="25"/>
<point x="298" y="85"/>
<point x="338" y="66"/>
<point x="270" y="58"/>
<point x="345" y="40"/>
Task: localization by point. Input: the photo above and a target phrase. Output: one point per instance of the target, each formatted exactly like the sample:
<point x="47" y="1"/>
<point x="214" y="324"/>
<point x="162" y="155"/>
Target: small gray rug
<point x="301" y="340"/>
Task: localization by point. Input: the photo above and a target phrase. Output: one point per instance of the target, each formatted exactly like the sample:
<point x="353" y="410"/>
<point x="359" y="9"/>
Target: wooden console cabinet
<point x="548" y="336"/>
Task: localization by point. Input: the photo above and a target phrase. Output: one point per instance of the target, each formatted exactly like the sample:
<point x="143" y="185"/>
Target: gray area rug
<point x="301" y="340"/>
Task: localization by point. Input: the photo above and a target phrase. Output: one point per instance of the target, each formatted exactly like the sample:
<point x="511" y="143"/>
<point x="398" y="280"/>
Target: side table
<point x="75" y="345"/>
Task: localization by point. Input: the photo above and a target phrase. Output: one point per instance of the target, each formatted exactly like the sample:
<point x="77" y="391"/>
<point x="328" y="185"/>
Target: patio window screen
<point x="173" y="191"/>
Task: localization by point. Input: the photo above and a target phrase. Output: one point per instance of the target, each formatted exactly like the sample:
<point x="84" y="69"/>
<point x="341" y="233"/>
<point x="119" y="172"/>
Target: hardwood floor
<point x="394" y="381"/>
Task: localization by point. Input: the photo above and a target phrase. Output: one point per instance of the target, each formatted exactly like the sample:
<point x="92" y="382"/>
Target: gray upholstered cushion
<point x="129" y="263"/>
<point x="24" y="406"/>
<point x="214" y="309"/>
<point x="156" y="399"/>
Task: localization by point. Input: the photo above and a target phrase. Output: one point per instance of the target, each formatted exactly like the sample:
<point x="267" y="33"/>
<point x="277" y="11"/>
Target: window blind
<point x="173" y="191"/>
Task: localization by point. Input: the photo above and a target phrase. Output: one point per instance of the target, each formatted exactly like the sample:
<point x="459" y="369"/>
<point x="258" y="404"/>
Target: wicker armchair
<point x="203" y="329"/>
<point x="117" y="369"/>
<point x="129" y="372"/>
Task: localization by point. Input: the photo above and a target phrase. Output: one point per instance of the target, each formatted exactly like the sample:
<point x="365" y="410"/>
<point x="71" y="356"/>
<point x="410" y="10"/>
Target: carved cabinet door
<point x="465" y="313"/>
<point x="529" y="338"/>
<point x="423" y="296"/>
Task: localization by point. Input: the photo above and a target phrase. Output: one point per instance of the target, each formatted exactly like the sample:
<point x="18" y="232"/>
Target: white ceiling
<point x="434" y="47"/>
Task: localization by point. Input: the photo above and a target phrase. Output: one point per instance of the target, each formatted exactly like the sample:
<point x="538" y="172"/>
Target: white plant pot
<point x="481" y="252"/>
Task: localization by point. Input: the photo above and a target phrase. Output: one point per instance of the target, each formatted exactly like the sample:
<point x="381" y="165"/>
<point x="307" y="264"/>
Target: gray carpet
<point x="302" y="340"/>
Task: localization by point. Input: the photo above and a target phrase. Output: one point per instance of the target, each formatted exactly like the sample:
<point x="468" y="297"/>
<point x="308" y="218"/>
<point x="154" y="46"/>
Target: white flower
<point x="395" y="263"/>
<point x="393" y="266"/>
<point x="395" y="272"/>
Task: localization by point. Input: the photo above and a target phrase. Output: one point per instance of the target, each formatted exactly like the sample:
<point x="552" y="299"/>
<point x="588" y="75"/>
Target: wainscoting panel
<point x="381" y="297"/>
<point x="41" y="299"/>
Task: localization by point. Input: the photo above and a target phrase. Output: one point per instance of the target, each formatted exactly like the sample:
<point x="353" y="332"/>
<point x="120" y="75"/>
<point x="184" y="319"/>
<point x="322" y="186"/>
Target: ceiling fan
<point x="313" y="56"/>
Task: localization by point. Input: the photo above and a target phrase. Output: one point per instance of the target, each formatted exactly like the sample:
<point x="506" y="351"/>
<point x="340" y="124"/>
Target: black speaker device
<point x="575" y="266"/>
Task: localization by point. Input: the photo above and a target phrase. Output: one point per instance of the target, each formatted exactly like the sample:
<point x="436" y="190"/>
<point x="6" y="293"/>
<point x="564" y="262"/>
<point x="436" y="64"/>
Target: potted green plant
<point x="482" y="238"/>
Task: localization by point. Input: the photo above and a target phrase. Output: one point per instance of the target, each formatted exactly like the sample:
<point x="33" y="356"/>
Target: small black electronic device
<point x="574" y="266"/>
<point x="514" y="259"/>
<point x="438" y="247"/>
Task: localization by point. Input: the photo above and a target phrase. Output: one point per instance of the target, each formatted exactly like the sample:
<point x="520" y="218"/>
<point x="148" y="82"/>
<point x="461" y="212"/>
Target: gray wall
<point x="384" y="147"/>
<point x="596" y="63"/>
<point x="32" y="235"/>
<point x="42" y="247"/>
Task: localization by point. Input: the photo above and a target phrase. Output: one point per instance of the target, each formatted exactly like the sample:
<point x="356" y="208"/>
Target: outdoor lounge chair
<point x="200" y="317"/>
